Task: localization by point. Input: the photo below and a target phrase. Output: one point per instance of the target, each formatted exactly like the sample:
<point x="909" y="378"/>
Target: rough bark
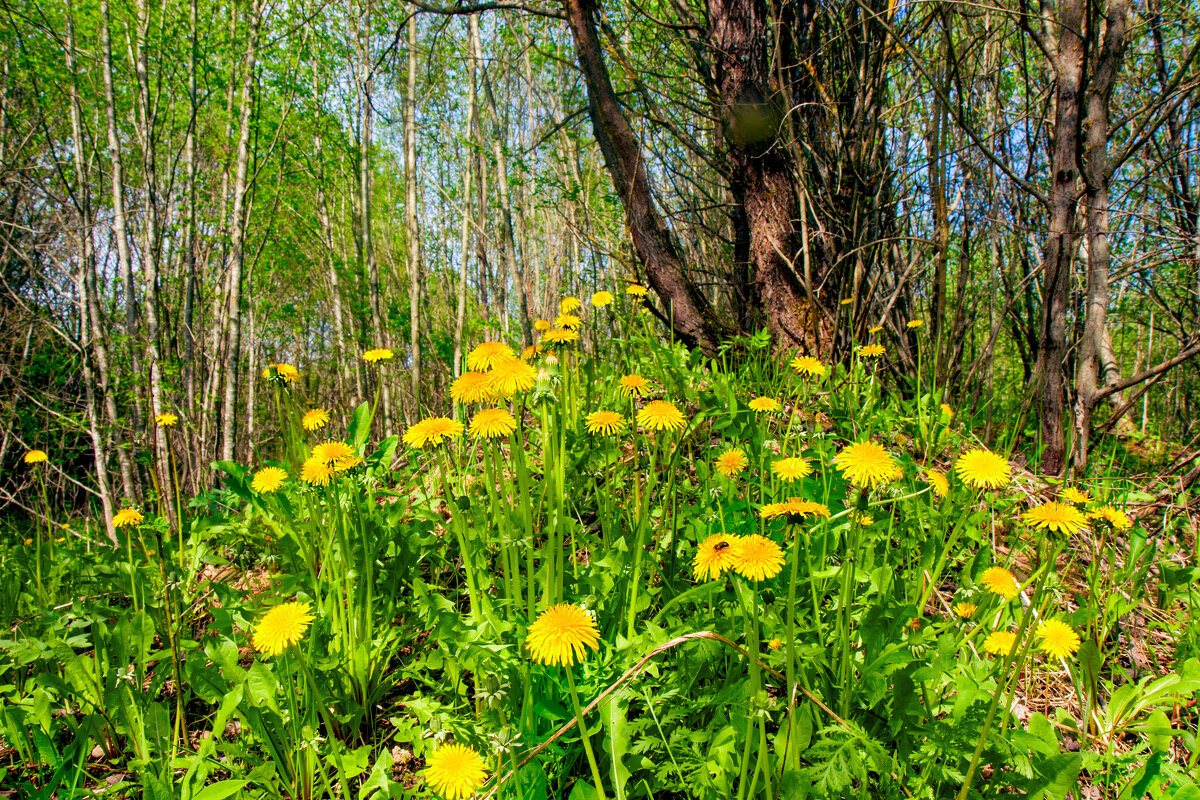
<point x="693" y="317"/>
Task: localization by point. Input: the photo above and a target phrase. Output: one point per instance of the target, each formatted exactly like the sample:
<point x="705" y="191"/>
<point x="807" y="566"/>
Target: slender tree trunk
<point x="85" y="281"/>
<point x="412" y="231"/>
<point x="237" y="238"/>
<point x="460" y="313"/>
<point x="124" y="265"/>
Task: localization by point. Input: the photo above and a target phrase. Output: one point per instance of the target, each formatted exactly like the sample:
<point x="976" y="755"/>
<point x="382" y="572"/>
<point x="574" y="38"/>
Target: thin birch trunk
<point x="412" y="233"/>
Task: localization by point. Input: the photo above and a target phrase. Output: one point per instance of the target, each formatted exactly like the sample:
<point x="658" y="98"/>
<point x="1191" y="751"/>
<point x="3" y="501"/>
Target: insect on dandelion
<point x="314" y="419"/>
<point x="1000" y="581"/>
<point x="128" y="518"/>
<point x="756" y="557"/>
<point x="282" y="626"/>
<point x="562" y="635"/>
<point x="867" y="464"/>
<point x="455" y="771"/>
<point x="732" y="461"/>
<point x="1055" y="516"/>
<point x="604" y="423"/>
<point x="166" y="420"/>
<point x="35" y="457"/>
<point x="268" y="480"/>
<point x="983" y="469"/>
<point x="1059" y="640"/>
<point x="714" y="555"/>
<point x="661" y="415"/>
<point x="493" y="423"/>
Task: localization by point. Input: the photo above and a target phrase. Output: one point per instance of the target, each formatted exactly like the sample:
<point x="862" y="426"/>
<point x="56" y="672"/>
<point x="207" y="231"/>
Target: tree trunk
<point x="1069" y="57"/>
<point x="412" y="231"/>
<point x="693" y="317"/>
<point x="460" y="313"/>
<point x="237" y="239"/>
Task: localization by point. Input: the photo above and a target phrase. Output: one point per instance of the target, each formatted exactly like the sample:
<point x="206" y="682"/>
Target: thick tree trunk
<point x="694" y="319"/>
<point x="762" y="175"/>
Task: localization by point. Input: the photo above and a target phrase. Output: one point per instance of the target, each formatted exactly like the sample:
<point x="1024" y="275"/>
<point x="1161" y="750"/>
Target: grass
<point x="741" y="631"/>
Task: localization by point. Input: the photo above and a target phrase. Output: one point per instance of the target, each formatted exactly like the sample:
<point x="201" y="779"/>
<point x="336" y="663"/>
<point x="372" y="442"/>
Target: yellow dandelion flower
<point x="714" y="555"/>
<point x="915" y="323"/>
<point x="866" y="464"/>
<point x="636" y="290"/>
<point x="601" y="299"/>
<point x="791" y="469"/>
<point x="983" y="469"/>
<point x="1114" y="516"/>
<point x="317" y="471"/>
<point x="493" y="423"/>
<point x="35" y="457"/>
<point x="964" y="610"/>
<point x="876" y="329"/>
<point x="807" y="365"/>
<point x="432" y="430"/>
<point x="567" y="321"/>
<point x="455" y="771"/>
<point x="331" y="451"/>
<point x="732" y="461"/>
<point x="531" y="352"/>
<point x="1055" y="516"/>
<point x="470" y="388"/>
<point x="285" y="373"/>
<point x="268" y="480"/>
<point x="1075" y="496"/>
<point x="486" y="354"/>
<point x="633" y="385"/>
<point x="542" y="325"/>
<point x="764" y="404"/>
<point x="378" y="355"/>
<point x="1000" y="643"/>
<point x="282" y="626"/>
<point x="1059" y="640"/>
<point x="314" y="419"/>
<point x="561" y="635"/>
<point x="847" y="301"/>
<point x="795" y="509"/>
<point x="756" y="557"/>
<point x="604" y="423"/>
<point x="941" y="486"/>
<point x="569" y="305"/>
<point x="871" y="351"/>
<point x="864" y="520"/>
<point x="128" y="518"/>
<point x="347" y="463"/>
<point x="947" y="411"/>
<point x="661" y="415"/>
<point x="774" y="644"/>
<point x="560" y="336"/>
<point x="166" y="420"/>
<point x="510" y="376"/>
<point x="998" y="580"/>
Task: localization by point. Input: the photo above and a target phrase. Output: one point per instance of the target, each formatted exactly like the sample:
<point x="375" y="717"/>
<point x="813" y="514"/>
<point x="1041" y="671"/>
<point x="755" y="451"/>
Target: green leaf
<point x="360" y="427"/>
<point x="220" y="790"/>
